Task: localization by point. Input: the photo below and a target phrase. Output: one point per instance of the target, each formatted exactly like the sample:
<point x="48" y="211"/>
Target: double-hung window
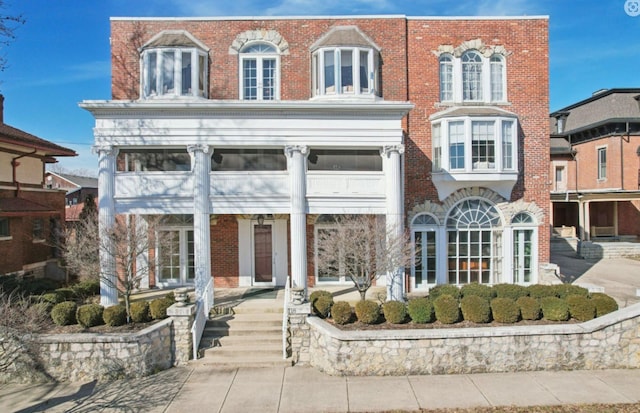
<point x="259" y="74"/>
<point x="602" y="163"/>
<point x="471" y="76"/>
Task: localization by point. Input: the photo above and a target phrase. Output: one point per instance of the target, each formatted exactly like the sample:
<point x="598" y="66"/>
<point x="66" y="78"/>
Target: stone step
<point x="244" y="360"/>
<point x="238" y="331"/>
<point x="238" y="340"/>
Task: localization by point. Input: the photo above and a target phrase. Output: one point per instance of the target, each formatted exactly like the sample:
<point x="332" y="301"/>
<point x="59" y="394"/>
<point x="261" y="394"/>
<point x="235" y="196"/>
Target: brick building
<point x="78" y="189"/>
<point x="595" y="152"/>
<point x="29" y="212"/>
<point x="250" y="135"/>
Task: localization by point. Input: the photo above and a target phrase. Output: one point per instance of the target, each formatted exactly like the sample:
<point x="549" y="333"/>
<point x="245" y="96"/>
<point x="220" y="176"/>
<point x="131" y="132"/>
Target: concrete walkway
<point x="201" y="388"/>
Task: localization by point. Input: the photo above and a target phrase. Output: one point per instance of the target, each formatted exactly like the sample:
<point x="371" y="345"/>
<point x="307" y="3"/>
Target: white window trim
<point x="437" y="229"/>
<point x="318" y="73"/>
<point x="184" y="257"/>
<point x="599" y="149"/>
<point x="259" y="58"/>
<point x="177" y="72"/>
<point x="486" y="80"/>
<point x="511" y="230"/>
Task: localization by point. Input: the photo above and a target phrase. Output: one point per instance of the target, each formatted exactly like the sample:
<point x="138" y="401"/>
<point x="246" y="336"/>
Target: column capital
<point x="199" y="147"/>
<point x="108" y="150"/>
<point x="389" y="149"/>
<point x="290" y="149"/>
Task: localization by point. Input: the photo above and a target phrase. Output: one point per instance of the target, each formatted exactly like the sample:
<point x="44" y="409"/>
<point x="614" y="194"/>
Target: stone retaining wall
<point x="611" y="341"/>
<point x="599" y="250"/>
<point x="89" y="356"/>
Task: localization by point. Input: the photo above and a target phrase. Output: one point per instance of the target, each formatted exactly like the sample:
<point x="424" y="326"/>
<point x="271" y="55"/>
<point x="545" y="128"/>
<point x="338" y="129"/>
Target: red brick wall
<point x="527" y="93"/>
<point x="224" y="251"/>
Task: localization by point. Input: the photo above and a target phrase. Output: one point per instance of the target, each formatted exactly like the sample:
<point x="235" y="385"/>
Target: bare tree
<point x="8" y="26"/>
<point x="362" y="248"/>
<point x="127" y="243"/>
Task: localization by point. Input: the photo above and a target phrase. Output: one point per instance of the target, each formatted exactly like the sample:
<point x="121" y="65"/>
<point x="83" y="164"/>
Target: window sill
<point x="38" y="241"/>
<point x="6" y="238"/>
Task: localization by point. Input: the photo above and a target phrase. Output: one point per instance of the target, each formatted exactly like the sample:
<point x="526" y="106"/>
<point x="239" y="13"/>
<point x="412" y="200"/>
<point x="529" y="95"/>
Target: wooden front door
<point x="263" y="253"/>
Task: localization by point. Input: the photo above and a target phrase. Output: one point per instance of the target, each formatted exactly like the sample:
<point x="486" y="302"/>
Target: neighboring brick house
<point x="30" y="214"/>
<point x="595" y="151"/>
<point x="77" y="187"/>
<point x="249" y="135"/>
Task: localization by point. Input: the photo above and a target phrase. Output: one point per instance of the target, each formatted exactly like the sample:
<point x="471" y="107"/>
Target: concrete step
<point x="239" y="340"/>
<point x="251" y="331"/>
<point x="244" y="360"/>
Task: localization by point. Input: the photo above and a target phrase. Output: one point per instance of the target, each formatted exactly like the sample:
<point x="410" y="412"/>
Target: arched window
<point x="524" y="248"/>
<point x="259" y="73"/>
<point x="474" y="239"/>
<point x="446" y="78"/>
<point x="424" y="237"/>
<point x="497" y="78"/>
<point x="471" y="76"/>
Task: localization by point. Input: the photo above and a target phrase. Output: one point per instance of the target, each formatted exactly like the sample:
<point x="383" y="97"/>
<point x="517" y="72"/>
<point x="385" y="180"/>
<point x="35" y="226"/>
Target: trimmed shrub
<point x="171" y="298"/>
<point x="479" y="290"/>
<point x="64" y="313"/>
<point x="367" y="311"/>
<point x="581" y="308"/>
<point x="158" y="308"/>
<point x="322" y="305"/>
<point x="505" y="310"/>
<point x="447" y="309"/>
<point x="604" y="304"/>
<point x="565" y="290"/>
<point x="139" y="312"/>
<point x="52" y="298"/>
<point x="341" y="312"/>
<point x="90" y="315"/>
<point x="317" y="294"/>
<point x="554" y="309"/>
<point x="529" y="308"/>
<point x="115" y="315"/>
<point x="475" y="308"/>
<point x="86" y="288"/>
<point x="421" y="310"/>
<point x="513" y="291"/>
<point x="67" y="294"/>
<point x="395" y="312"/>
<point x="540" y="291"/>
<point x="444" y="289"/>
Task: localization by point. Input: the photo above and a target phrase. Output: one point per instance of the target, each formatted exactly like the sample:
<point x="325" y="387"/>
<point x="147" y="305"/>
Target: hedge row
<point x="475" y="303"/>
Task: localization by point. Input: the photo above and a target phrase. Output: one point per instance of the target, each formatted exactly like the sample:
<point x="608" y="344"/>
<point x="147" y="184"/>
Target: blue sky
<point x="61" y="54"/>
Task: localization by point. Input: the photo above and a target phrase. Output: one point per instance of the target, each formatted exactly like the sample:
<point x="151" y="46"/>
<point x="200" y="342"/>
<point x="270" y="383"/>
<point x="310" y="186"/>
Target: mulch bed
<point x="77" y="329"/>
<point x="438" y="325"/>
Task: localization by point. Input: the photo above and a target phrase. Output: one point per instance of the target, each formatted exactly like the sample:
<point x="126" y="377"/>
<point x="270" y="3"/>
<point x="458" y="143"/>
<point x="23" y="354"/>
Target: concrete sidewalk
<point x="203" y="388"/>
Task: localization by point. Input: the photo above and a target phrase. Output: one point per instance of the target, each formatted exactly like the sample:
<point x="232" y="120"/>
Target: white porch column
<point x="394" y="218"/>
<point x="106" y="219"/>
<point x="587" y="220"/>
<point x="201" y="228"/>
<point x="616" y="228"/>
<point x="297" y="171"/>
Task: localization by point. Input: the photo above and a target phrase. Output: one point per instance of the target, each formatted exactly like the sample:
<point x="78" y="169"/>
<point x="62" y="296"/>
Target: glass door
<point x="262" y="254"/>
<point x="176" y="257"/>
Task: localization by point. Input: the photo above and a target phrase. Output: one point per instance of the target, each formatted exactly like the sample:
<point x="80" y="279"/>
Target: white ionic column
<point x="106" y="219"/>
<point x="297" y="171"/>
<point x="394" y="204"/>
<point x="201" y="235"/>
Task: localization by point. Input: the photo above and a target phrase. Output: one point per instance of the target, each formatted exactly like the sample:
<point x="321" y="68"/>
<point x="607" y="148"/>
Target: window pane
<point x="456" y="145"/>
<point x="38" y="228"/>
<point x="153" y="160"/>
<point x="248" y="160"/>
<point x="250" y="79"/>
<point x="329" y="74"/>
<point x="364" y="72"/>
<point x="437" y="148"/>
<point x="507" y="144"/>
<point x="330" y="271"/>
<point x="168" y="67"/>
<point x="344" y="160"/>
<point x="602" y="163"/>
<point x="186" y="73"/>
<point x="471" y="76"/>
<point x="497" y="79"/>
<point x="446" y="78"/>
<point x="4" y="227"/>
<point x="152" y="73"/>
<point x="346" y="70"/>
<point x="268" y="79"/>
<point x="483" y="144"/>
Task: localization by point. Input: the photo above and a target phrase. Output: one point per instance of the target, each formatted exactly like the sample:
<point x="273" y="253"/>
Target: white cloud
<point x="72" y="74"/>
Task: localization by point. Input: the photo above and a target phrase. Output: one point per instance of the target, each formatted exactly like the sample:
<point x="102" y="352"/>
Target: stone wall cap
<point x="101" y="337"/>
<point x="181" y="311"/>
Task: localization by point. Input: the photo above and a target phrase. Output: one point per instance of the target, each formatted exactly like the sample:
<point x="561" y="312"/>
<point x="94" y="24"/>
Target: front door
<point x="176" y="256"/>
<point x="263" y="254"/>
<point x="522" y="255"/>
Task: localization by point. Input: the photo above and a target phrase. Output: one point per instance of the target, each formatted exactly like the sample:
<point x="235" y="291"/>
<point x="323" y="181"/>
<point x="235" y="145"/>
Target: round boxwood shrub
<point x="64" y="313"/>
<point x="322" y="305"/>
<point x="604" y="304"/>
<point x="554" y="309"/>
<point x="447" y="309"/>
<point x="565" y="290"/>
<point x="341" y="312"/>
<point x="139" y="312"/>
<point x="53" y="298"/>
<point x="529" y="308"/>
<point x="581" y="308"/>
<point x="89" y="315"/>
<point x="158" y="308"/>
<point x="395" y="312"/>
<point x="479" y="290"/>
<point x="421" y="310"/>
<point x="513" y="291"/>
<point x="67" y="294"/>
<point x="86" y="288"/>
<point x="476" y="309"/>
<point x="367" y="311"/>
<point x="444" y="289"/>
<point x="318" y="293"/>
<point x="540" y="291"/>
<point x="505" y="310"/>
<point x="115" y="315"/>
<point x="171" y="298"/>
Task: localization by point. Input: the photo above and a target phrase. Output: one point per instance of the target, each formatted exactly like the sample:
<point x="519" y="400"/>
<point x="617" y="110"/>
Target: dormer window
<point x="174" y="64"/>
<point x="345" y="63"/>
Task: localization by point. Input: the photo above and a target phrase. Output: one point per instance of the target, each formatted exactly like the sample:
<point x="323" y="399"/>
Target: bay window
<point x="169" y="72"/>
<point x="348" y="71"/>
